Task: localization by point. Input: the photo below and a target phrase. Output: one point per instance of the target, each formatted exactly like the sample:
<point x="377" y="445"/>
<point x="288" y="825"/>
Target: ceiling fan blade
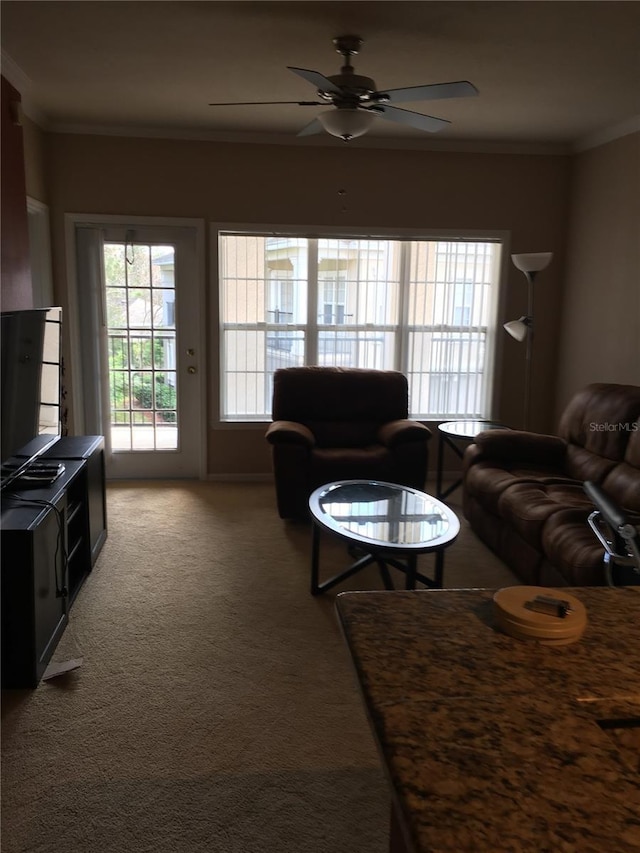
<point x="309" y="129"/>
<point x="266" y="103"/>
<point x="432" y="92"/>
<point x="417" y="120"/>
<point x="316" y="79"/>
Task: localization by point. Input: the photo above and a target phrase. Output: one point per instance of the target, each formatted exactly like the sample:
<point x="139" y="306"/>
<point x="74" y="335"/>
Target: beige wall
<point x="600" y="329"/>
<point x="526" y="195"/>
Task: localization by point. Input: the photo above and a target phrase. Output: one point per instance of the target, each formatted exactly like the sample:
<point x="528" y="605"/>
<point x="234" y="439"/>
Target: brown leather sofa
<point x="523" y="492"/>
<point x="333" y="423"/>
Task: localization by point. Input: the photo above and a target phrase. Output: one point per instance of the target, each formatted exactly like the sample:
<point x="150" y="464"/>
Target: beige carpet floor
<point x="216" y="708"/>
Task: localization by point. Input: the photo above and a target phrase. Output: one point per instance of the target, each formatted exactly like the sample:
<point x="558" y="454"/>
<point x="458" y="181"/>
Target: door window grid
<point x="141" y="346"/>
<point x="422" y="307"/>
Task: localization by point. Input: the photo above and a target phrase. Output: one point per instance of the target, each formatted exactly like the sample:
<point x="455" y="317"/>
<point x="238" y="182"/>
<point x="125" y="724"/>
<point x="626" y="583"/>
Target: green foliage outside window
<point x="145" y="354"/>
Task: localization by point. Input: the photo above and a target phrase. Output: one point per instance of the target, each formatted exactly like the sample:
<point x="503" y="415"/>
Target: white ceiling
<point x="549" y="73"/>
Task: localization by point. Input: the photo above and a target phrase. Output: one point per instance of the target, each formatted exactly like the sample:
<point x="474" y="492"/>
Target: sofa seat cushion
<point x="487" y="481"/>
<point x="528" y="506"/>
<point x="572" y="547"/>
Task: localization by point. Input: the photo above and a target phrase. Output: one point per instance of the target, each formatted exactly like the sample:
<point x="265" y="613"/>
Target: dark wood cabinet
<point x="51" y="538"/>
<point x="91" y="449"/>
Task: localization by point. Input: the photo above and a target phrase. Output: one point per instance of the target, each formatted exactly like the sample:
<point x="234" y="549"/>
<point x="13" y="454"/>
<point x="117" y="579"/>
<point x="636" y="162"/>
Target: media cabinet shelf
<point x="51" y="538"/>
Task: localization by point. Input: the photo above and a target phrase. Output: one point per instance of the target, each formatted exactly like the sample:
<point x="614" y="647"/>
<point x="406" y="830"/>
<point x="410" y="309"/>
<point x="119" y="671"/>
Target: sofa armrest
<point x="402" y="431"/>
<point x="511" y="445"/>
<point x="289" y="432"/>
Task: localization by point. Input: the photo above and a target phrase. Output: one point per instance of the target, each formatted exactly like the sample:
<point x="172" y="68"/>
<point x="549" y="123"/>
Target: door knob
<point x="192" y="369"/>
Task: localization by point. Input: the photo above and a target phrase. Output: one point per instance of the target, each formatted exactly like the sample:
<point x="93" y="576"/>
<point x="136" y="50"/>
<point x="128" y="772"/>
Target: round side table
<point x="458" y="435"/>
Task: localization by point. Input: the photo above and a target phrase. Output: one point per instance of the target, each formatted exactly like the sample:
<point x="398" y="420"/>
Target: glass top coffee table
<point x="383" y="523"/>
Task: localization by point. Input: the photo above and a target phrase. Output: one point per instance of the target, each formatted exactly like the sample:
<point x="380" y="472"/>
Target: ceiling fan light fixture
<point x="347" y="122"/>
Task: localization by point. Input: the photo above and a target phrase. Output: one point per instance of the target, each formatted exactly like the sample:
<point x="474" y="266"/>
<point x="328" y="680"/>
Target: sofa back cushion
<point x="344" y="433"/>
<point x="349" y="401"/>
<point x="597" y="426"/>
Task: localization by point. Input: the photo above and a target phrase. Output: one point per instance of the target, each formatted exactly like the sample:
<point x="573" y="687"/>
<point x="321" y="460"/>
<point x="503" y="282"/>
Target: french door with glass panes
<point x="151" y="349"/>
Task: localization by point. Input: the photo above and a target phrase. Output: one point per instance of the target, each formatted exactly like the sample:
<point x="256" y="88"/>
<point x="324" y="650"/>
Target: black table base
<point x="408" y="565"/>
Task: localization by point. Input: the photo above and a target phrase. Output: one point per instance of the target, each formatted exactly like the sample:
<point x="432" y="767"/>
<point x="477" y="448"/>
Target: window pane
<point x="245" y="376"/>
<point x="422" y="307"/>
<point x="452" y="289"/>
<point x="140" y="299"/>
<point x="373" y="350"/>
<point x="453" y="386"/>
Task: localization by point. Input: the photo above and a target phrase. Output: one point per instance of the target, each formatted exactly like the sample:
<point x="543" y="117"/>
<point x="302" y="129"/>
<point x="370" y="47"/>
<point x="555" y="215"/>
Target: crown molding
<point x="23" y="83"/>
<point x="321" y="140"/>
<point x="14" y="74"/>
<point x="609" y="134"/>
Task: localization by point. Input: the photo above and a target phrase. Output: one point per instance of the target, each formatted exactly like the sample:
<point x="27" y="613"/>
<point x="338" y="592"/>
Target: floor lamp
<point x="522" y="329"/>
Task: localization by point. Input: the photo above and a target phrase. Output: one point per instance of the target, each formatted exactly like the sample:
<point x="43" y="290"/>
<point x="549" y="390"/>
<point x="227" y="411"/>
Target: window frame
<point x="494" y="341"/>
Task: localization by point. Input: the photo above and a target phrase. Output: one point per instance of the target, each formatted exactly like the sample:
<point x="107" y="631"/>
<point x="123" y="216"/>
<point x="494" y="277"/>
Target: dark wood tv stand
<point x="51" y="538"/>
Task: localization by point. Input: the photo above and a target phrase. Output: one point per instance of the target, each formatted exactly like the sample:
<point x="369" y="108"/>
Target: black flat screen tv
<point x="30" y="365"/>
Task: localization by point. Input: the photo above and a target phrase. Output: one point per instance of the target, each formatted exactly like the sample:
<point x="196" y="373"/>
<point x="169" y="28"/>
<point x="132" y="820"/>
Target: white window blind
<point x="422" y="307"/>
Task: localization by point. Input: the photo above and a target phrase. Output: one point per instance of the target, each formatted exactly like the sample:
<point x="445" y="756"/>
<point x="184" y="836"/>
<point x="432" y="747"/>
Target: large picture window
<point x="424" y="307"/>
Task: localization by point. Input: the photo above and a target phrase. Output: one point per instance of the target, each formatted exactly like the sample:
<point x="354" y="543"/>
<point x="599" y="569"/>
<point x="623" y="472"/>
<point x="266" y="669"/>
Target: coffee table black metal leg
<point x="315" y="558"/>
<point x="411" y="571"/>
<point x="316" y="586"/>
<point x="384" y="574"/>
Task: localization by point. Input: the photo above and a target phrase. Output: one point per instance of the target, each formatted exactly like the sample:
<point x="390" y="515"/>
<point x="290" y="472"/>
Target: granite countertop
<point x="497" y="744"/>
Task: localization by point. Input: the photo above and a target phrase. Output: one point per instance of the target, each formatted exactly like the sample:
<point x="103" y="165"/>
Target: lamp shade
<point x="347" y="122"/>
<point x="532" y="262"/>
<point x="518" y="328"/>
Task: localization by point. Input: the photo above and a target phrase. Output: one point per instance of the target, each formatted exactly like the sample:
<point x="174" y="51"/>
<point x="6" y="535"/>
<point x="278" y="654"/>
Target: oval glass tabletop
<point x="384" y="515"/>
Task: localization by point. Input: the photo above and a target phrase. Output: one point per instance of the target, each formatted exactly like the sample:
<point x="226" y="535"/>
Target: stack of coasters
<point x="549" y="616"/>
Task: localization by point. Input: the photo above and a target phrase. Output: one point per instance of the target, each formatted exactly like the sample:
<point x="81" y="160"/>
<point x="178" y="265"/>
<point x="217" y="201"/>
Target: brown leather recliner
<point x="523" y="492"/>
<point x="333" y="423"/>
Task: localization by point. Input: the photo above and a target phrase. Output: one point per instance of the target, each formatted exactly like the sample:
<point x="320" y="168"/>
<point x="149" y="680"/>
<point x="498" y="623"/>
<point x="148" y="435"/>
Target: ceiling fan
<point x="357" y="102"/>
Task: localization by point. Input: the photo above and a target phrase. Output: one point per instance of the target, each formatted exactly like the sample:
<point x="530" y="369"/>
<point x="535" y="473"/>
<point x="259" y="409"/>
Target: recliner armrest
<point x="511" y="445"/>
<point x="402" y="432"/>
<point x="289" y="432"/>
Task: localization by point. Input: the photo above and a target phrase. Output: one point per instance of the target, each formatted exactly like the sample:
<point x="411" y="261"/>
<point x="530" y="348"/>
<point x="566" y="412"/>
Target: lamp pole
<point x="529" y="264"/>
<point x="529" y="350"/>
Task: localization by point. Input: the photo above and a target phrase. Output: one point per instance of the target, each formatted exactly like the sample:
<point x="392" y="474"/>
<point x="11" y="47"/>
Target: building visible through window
<point x="425" y="307"/>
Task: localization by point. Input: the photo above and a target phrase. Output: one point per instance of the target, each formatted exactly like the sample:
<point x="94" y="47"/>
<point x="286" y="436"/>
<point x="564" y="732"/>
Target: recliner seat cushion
<point x="331" y="463"/>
